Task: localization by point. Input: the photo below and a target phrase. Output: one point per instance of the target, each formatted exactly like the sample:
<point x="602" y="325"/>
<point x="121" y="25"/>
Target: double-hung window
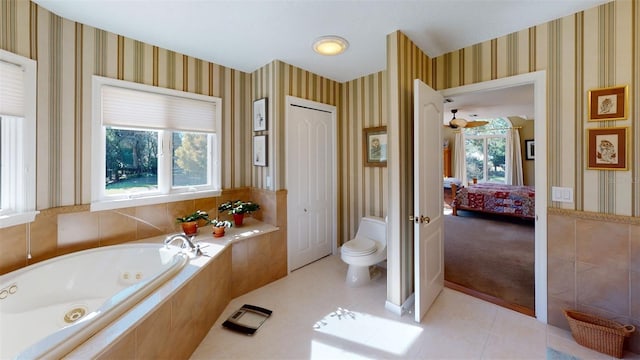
<point x="17" y="139"/>
<point x="152" y="145"/>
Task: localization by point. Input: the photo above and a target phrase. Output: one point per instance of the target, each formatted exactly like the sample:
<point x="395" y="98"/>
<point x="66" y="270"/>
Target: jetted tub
<point x="49" y="308"/>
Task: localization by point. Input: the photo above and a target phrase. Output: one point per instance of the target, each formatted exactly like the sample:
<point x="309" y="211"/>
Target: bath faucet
<point x="186" y="242"/>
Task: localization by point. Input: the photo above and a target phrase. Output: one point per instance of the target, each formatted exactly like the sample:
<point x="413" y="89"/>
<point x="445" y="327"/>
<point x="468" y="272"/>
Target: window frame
<point x="485" y="140"/>
<point x="18" y="189"/>
<point x="165" y="192"/>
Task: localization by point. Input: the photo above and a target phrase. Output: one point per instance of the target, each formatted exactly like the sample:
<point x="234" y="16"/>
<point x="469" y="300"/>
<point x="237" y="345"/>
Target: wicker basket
<point x="605" y="336"/>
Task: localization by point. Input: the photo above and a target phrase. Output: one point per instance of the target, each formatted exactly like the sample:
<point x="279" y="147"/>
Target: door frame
<point x="333" y="153"/>
<point x="539" y="81"/>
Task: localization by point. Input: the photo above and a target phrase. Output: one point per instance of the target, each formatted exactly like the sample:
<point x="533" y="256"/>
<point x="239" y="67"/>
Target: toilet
<point x="366" y="249"/>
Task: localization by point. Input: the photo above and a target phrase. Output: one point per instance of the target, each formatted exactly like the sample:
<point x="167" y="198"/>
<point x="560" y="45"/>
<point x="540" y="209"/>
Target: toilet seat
<point x="360" y="246"/>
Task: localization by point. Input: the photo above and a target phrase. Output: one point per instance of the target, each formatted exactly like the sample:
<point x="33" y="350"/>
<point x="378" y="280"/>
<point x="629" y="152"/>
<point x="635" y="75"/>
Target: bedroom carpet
<point x="492" y="256"/>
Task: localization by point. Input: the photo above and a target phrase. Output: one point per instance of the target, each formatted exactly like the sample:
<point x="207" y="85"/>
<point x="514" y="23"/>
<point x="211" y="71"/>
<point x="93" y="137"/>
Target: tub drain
<point x="75" y="314"/>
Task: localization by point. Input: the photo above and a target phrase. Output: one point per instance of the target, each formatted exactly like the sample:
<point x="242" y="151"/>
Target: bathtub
<point x="49" y="308"/>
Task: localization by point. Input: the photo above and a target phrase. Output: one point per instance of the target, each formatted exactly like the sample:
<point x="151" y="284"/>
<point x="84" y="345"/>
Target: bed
<point x="500" y="199"/>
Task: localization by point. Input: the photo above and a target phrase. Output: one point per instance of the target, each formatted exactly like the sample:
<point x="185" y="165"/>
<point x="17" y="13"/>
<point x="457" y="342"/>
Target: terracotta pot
<point x="190" y="228"/>
<point x="218" y="231"/>
<point x="237" y="219"/>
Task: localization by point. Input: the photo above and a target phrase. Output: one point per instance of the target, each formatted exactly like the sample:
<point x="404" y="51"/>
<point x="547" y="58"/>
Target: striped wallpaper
<point x="591" y="49"/>
<point x="360" y="103"/>
<point x="69" y="53"/>
<point x="405" y="62"/>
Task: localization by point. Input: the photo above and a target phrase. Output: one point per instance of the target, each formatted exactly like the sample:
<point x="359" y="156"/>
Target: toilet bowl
<point x="367" y="248"/>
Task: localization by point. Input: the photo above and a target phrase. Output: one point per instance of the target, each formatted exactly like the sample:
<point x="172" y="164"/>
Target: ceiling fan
<point x="455" y="123"/>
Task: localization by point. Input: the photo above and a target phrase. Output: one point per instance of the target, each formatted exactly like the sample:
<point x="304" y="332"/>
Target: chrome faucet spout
<point x="186" y="242"/>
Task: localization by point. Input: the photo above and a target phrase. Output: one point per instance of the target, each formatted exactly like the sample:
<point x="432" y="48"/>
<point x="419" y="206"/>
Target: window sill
<point x="17" y="218"/>
<point x="151" y="200"/>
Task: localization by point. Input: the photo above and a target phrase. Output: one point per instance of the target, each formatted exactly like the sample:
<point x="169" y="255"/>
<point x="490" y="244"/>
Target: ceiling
<point x="246" y="35"/>
<point x="490" y="104"/>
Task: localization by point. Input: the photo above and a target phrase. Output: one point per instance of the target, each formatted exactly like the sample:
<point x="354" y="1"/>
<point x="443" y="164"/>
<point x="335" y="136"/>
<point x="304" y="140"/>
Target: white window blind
<point x="136" y="108"/>
<point x="11" y="89"/>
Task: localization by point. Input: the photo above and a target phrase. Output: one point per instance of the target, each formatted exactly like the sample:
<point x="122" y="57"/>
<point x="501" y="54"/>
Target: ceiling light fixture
<point x="330" y="45"/>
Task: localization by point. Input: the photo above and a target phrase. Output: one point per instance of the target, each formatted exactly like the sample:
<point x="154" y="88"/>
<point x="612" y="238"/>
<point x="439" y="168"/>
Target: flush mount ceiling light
<point x="330" y="45"/>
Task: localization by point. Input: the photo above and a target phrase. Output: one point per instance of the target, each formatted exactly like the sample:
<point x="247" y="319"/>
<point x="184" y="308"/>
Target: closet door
<point x="310" y="184"/>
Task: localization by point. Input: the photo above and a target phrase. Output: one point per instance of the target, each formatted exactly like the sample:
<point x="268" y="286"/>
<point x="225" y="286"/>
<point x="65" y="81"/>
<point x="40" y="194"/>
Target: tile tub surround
<point x="55" y="231"/>
<point x="171" y="322"/>
<point x="594" y="267"/>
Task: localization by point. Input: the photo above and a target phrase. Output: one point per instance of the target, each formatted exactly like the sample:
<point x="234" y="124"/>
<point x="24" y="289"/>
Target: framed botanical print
<point x="608" y="103"/>
<point x="260" y="114"/>
<point x="607" y="148"/>
<point x="260" y="150"/>
<point x="374" y="146"/>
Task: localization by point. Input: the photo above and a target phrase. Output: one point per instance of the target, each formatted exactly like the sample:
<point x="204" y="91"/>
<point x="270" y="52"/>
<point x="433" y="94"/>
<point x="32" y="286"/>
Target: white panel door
<point x="428" y="217"/>
<point x="310" y="184"/>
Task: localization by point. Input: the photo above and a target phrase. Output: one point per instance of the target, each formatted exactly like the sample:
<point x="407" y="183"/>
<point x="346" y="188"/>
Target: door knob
<point x="425" y="219"/>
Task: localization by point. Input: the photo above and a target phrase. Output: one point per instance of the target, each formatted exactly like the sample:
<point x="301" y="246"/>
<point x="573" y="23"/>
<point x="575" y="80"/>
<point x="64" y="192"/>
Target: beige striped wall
<point x="68" y="54"/>
<point x="591" y="49"/>
<point x="363" y="190"/>
<point x="405" y="62"/>
<point x="360" y="103"/>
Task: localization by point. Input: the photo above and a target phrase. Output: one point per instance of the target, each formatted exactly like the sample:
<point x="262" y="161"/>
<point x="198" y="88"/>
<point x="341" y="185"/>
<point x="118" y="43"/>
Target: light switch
<point x="562" y="194"/>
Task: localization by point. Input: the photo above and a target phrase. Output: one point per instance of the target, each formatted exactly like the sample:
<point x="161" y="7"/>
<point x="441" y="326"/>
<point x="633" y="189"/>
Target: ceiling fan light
<point x="330" y="45"/>
<point x="456" y="123"/>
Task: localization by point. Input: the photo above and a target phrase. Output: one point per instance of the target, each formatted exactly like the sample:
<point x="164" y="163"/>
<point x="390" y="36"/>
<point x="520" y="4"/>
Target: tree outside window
<point x="485" y="149"/>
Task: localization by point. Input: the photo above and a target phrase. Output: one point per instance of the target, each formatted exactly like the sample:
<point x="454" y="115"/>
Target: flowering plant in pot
<point x="238" y="208"/>
<point x="190" y="222"/>
<point x="219" y="227"/>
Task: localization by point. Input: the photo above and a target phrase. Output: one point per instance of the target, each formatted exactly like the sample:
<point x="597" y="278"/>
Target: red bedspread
<point x="497" y="199"/>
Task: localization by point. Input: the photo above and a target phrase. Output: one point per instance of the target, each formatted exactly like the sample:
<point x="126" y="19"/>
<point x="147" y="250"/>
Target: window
<point x="17" y="139"/>
<point x="152" y="145"/>
<point x="486" y="151"/>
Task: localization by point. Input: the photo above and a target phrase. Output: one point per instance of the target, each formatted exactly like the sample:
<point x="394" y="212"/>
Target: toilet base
<point x="361" y="275"/>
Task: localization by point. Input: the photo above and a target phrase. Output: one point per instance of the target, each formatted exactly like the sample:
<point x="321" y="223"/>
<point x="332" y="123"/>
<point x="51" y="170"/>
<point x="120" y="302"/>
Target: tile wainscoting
<point x="63" y="230"/>
<point x="594" y="267"/>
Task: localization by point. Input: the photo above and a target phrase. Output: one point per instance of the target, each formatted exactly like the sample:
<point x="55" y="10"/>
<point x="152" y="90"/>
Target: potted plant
<point x="238" y="208"/>
<point x="219" y="227"/>
<point x="190" y="222"/>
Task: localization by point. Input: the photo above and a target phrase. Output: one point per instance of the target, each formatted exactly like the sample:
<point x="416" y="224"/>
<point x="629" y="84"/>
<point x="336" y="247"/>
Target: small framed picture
<point x="260" y="150"/>
<point x="374" y="146"/>
<point x="607" y="148"/>
<point x="260" y="114"/>
<point x="530" y="149"/>
<point x="608" y="103"/>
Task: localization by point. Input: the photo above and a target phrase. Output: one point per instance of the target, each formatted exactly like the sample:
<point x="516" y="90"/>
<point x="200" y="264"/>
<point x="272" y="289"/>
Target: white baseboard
<point x="405" y="308"/>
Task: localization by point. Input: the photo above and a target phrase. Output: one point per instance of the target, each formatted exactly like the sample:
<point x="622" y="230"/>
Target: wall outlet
<point x="562" y="194"/>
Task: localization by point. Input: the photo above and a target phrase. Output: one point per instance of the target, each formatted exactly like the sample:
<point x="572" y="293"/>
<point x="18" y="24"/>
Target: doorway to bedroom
<point x="491" y="254"/>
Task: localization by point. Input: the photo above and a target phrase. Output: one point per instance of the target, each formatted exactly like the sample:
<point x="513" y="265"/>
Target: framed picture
<point x="260" y="114"/>
<point x="607" y="148"/>
<point x="530" y="149"/>
<point x="260" y="150"/>
<point x="374" y="146"/>
<point x="608" y="103"/>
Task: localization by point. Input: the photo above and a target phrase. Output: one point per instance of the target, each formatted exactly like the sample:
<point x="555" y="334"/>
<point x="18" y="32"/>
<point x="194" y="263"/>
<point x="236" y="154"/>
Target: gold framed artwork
<point x="608" y="103"/>
<point x="374" y="146"/>
<point x="607" y="148"/>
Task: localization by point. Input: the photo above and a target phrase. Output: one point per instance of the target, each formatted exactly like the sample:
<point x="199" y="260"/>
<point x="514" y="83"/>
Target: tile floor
<point x="316" y="316"/>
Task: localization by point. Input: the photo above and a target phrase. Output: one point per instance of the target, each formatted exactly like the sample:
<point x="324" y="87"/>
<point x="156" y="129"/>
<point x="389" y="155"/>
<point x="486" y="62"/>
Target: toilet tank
<point x="374" y="228"/>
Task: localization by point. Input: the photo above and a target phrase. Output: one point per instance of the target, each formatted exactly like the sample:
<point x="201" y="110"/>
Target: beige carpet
<point x="493" y="255"/>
